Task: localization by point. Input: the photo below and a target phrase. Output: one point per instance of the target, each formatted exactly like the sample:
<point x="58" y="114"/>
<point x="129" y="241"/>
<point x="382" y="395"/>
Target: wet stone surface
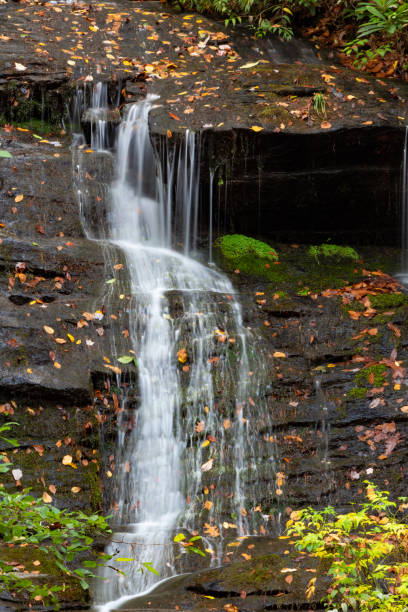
<point x="332" y="426"/>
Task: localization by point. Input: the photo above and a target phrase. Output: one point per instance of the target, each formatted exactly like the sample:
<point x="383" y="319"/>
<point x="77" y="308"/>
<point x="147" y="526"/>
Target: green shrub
<point x="58" y="536"/>
<point x="366" y="550"/>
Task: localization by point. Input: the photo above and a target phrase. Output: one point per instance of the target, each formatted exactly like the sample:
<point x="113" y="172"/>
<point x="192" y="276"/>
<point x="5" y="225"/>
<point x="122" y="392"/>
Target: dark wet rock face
<point x="336" y="421"/>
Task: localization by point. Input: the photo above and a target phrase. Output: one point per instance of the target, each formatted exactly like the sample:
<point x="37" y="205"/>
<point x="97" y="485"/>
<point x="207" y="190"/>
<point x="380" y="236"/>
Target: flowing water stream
<point x="201" y="442"/>
<point x="404" y="213"/>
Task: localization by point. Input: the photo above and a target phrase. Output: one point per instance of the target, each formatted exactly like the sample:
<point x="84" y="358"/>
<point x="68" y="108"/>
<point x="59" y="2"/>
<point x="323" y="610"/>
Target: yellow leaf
<point x="18" y="198"/>
<point x="46" y="498"/>
<point x="66" y="460"/>
<point x="48" y="329"/>
<point x="182" y="355"/>
<point x="75" y="489"/>
<point x="57" y="365"/>
<point x="256" y="128"/>
<point x="279" y="354"/>
<point x="205" y="443"/>
<point x="71" y="337"/>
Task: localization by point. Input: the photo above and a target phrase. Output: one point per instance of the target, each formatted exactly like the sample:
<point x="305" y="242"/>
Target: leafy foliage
<point x="59" y="537"/>
<point x="366" y="550"/>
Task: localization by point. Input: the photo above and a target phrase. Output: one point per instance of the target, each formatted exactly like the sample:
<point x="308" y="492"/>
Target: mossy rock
<point x="247" y="254"/>
<point x="333" y="251"/>
<point x="236" y="246"/>
<point x="40" y="567"/>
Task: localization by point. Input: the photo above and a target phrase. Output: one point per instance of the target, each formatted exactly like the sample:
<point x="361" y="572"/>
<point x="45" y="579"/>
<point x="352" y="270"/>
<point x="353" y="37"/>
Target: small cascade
<point x="201" y="442"/>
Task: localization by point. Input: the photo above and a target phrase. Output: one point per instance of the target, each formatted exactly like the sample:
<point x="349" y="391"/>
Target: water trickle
<point x="199" y="442"/>
<point x="404" y="213"/>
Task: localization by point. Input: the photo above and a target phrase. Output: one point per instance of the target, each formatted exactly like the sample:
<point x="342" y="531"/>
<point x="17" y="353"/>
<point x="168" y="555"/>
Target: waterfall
<point x="200" y="442"/>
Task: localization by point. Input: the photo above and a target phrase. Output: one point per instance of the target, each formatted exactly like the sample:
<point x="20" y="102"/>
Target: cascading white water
<point x="189" y="423"/>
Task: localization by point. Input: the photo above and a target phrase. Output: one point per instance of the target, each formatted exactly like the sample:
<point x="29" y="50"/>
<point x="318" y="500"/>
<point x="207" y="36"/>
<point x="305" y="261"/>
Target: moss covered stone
<point x="333" y="251"/>
<point x="236" y="246"/>
<point x="247" y="254"/>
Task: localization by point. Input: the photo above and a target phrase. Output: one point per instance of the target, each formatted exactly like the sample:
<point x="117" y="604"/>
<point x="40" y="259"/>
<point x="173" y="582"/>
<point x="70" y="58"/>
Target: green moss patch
<point x="247" y="254"/>
<point x="375" y="372"/>
<point x="357" y="393"/>
<point x="236" y="246"/>
<point x="386" y="301"/>
<point x="333" y="251"/>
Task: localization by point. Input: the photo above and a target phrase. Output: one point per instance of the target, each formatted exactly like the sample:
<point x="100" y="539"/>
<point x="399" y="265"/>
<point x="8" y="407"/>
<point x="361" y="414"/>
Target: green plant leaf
<point x="150" y="568"/>
<point x="127" y="359"/>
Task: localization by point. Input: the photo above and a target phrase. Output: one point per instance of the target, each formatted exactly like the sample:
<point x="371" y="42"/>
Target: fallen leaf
<point x="249" y="65"/>
<point x="46" y="498"/>
<point x="17" y="474"/>
<point x="206" y="467"/>
<point x="256" y="128"/>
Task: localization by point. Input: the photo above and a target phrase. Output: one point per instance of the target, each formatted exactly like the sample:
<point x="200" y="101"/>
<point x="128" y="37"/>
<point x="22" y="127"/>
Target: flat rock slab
<point x="206" y="75"/>
<point x="270" y="578"/>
